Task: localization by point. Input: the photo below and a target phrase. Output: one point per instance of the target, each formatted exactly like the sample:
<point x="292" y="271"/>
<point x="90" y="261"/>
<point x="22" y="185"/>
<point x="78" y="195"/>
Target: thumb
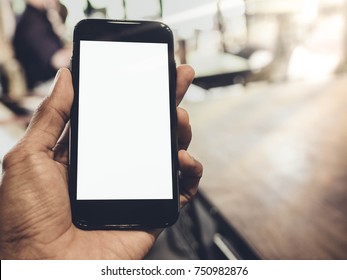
<point x="50" y="118"/>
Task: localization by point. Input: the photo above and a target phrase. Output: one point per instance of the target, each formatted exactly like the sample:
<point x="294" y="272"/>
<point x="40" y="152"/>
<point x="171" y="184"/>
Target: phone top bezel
<point x="99" y="214"/>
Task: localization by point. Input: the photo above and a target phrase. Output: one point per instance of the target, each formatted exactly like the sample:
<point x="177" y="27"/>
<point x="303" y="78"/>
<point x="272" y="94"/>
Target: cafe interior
<point x="268" y="113"/>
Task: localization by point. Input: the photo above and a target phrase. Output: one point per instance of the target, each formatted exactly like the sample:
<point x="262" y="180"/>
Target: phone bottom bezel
<point x="124" y="214"/>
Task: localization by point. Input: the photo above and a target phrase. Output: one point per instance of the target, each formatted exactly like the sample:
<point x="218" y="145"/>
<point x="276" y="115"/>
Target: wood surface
<point x="275" y="164"/>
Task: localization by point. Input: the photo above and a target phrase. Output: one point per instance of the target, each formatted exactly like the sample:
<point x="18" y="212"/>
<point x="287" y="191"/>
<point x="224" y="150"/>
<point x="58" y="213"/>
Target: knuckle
<point x="7" y="159"/>
<point x="17" y="154"/>
<point x="10" y="158"/>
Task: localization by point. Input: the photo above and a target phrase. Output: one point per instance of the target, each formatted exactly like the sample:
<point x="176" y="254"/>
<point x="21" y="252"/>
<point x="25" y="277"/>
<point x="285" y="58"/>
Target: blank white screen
<point x="124" y="143"/>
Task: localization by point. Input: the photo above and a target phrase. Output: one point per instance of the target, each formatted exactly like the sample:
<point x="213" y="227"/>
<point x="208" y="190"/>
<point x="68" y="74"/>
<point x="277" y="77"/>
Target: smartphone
<point x="123" y="170"/>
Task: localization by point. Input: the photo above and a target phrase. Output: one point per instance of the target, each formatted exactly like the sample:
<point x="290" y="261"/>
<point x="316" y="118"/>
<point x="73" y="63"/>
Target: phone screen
<point x="124" y="135"/>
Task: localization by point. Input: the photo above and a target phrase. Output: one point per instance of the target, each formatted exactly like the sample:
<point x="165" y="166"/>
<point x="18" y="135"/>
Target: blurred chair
<point x="199" y="28"/>
<point x="237" y="39"/>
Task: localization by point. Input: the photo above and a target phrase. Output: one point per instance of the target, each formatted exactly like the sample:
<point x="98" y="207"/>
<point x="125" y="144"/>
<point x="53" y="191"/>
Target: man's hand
<point x="35" y="214"/>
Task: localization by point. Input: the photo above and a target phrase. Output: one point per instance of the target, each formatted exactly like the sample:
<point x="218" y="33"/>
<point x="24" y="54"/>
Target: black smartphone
<point x="123" y="169"/>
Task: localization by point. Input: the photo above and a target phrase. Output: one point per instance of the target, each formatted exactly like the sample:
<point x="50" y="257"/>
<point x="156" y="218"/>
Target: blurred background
<point x="267" y="109"/>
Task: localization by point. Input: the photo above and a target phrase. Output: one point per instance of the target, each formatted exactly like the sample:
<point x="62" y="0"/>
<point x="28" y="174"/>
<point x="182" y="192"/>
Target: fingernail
<point x="57" y="76"/>
<point x="54" y="82"/>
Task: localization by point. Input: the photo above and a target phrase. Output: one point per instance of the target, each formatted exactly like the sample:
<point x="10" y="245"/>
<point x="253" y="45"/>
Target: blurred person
<point x="39" y="41"/>
<point x="12" y="78"/>
<point x="35" y="213"/>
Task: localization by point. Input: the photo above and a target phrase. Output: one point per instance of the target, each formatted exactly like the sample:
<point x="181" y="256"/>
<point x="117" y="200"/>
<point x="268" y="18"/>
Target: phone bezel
<point x="115" y="214"/>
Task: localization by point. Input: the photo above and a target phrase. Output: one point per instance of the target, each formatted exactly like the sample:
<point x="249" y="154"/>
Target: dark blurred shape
<point x="90" y="11"/>
<point x="201" y="233"/>
<point x="222" y="79"/>
<point x="63" y="12"/>
<point x="36" y="42"/>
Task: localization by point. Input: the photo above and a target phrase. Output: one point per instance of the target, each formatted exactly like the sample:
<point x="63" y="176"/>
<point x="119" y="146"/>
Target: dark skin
<point x="35" y="214"/>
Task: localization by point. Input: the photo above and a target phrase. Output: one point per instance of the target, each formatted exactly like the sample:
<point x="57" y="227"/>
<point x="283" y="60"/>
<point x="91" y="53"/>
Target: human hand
<point x="35" y="214"/>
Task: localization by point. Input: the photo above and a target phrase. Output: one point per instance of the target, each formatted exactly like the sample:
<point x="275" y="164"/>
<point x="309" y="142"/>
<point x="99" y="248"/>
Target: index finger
<point x="185" y="76"/>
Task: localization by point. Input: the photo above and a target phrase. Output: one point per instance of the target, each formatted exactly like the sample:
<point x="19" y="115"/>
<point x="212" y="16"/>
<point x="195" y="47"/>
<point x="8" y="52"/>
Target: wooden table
<point x="275" y="165"/>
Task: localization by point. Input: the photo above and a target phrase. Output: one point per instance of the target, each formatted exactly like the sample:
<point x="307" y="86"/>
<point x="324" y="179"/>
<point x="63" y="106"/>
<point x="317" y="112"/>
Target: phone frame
<point x="118" y="214"/>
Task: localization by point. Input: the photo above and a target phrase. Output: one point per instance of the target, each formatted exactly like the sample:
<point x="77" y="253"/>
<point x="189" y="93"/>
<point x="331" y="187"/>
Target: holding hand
<point x="35" y="214"/>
